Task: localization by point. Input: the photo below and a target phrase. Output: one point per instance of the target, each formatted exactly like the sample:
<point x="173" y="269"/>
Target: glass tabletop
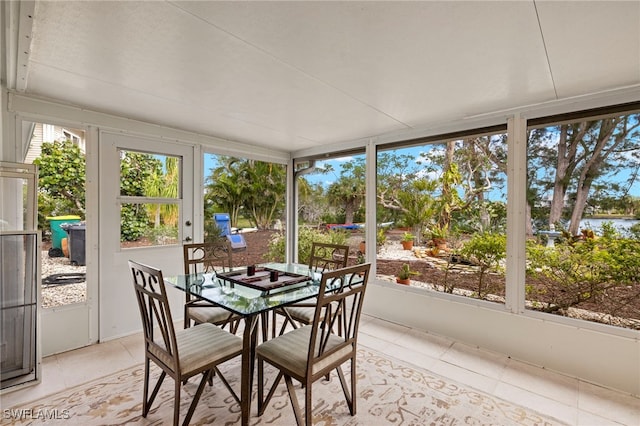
<point x="245" y="300"/>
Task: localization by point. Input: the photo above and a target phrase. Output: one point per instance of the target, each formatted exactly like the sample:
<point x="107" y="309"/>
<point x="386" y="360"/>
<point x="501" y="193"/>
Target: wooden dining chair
<point x="180" y="354"/>
<point x="205" y="257"/>
<point x="310" y="352"/>
<point x="324" y="257"/>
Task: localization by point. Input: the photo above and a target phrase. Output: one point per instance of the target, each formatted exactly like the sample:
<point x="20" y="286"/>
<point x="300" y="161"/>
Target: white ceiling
<point x="296" y="75"/>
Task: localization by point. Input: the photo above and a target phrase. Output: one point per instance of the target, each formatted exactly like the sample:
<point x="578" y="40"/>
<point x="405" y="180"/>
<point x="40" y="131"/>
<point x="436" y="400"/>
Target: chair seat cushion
<point x="199" y="346"/>
<point x="290" y="351"/>
<point x="303" y="314"/>
<point x="211" y="314"/>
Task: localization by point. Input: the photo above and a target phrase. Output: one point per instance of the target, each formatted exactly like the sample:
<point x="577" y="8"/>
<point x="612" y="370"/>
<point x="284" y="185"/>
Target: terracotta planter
<point x="405" y="281"/>
<point x="407" y="245"/>
<point x="441" y="243"/>
<point x="362" y="246"/>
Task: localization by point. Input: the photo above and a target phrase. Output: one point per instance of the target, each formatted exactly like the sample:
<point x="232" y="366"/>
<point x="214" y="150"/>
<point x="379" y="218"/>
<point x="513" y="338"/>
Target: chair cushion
<point x="303" y="314"/>
<point x="199" y="346"/>
<point x="290" y="351"/>
<point x="211" y="314"/>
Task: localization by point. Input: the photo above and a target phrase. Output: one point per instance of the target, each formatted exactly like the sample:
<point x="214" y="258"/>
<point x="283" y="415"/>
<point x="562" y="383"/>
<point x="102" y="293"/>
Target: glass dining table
<point x="251" y="302"/>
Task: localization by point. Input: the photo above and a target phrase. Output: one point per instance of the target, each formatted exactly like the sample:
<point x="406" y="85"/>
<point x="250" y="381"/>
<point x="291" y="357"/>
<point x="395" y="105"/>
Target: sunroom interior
<point x="289" y="82"/>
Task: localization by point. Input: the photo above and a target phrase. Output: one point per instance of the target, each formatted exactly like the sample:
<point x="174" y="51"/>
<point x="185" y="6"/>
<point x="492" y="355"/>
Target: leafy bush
<point x="61" y="174"/>
<point x="381" y="237"/>
<point x="601" y="270"/>
<point x="306" y="237"/>
<point x="133" y="222"/>
<point x="61" y="181"/>
<point x="162" y="235"/>
<point x="487" y="250"/>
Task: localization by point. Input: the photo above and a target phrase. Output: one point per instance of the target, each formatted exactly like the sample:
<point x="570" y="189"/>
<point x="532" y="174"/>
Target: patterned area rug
<point x="390" y="392"/>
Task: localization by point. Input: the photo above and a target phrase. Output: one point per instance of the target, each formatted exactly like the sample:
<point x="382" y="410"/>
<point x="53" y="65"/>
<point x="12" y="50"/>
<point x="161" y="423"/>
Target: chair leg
<point x="274" y="317"/>
<point x="148" y="403"/>
<point x="307" y="404"/>
<point x="287" y="320"/>
<point x="353" y="386"/>
<point x="224" y="382"/>
<point x="294" y="401"/>
<point x="196" y="397"/>
<point x="187" y="321"/>
<point x="233" y="327"/>
<point x="264" y="319"/>
<point x="348" y="395"/>
<point x="262" y="404"/>
<point x="176" y="402"/>
<point x="145" y="392"/>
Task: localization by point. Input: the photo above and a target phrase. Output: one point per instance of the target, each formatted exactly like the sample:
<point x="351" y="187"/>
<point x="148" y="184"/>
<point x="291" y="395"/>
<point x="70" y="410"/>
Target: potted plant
<point x="439" y="237"/>
<point x="407" y="241"/>
<point x="404" y="274"/>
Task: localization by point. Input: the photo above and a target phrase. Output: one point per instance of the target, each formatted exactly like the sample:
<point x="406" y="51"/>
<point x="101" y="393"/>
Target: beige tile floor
<point x="572" y="401"/>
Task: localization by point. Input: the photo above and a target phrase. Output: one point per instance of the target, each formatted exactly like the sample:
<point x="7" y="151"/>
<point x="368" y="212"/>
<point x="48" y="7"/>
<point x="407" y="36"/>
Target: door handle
<point x="187" y="239"/>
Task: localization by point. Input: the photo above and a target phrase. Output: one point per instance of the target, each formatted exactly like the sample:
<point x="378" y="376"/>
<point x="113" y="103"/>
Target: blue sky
<point x="336" y="164"/>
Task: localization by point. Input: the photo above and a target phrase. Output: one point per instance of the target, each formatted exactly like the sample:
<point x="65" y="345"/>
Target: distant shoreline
<point x="609" y="216"/>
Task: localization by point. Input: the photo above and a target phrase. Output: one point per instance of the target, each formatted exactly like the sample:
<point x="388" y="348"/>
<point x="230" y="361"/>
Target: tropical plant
<point x="163" y="182"/>
<point x="348" y="191"/>
<point x="135" y="169"/>
<point x="414" y="201"/>
<point x="265" y="186"/>
<point x="256" y="188"/>
<point x="225" y="189"/>
<point x="408" y="236"/>
<point x="438" y="232"/>
<point x="406" y="272"/>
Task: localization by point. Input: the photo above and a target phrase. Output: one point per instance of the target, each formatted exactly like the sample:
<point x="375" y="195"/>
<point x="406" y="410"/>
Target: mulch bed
<point x="458" y="278"/>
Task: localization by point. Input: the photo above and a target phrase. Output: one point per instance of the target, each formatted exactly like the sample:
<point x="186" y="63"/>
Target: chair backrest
<point x="328" y="257"/>
<point x="208" y="257"/>
<point x="339" y="307"/>
<point x="156" y="315"/>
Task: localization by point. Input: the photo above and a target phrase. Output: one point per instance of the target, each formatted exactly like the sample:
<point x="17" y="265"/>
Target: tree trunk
<point x="349" y="212"/>
<point x="445" y="211"/>
<point x="568" y="144"/>
<point x="529" y="226"/>
<point x="591" y="169"/>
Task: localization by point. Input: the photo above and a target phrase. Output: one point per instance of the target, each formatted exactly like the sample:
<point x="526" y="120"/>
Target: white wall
<point x="597" y="357"/>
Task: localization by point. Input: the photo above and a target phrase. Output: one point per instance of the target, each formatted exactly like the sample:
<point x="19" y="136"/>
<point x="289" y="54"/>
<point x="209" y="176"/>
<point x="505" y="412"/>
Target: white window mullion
<point x="516" y="213"/>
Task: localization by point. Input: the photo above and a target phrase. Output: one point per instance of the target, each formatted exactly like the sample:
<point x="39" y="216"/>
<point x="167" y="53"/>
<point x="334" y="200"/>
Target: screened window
<point x="245" y="198"/>
<point x="441" y="215"/>
<point x="582" y="219"/>
<point x="331" y="203"/>
<point x="150" y="199"/>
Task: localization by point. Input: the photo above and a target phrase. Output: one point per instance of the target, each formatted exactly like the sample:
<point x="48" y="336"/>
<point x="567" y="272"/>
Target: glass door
<point x="146" y="213"/>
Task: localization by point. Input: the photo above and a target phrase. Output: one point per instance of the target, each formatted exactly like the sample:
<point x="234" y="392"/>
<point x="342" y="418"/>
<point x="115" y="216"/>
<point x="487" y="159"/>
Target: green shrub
<point x="487" y="250"/>
<point x="162" y="235"/>
<point x="601" y="270"/>
<point x="133" y="222"/>
<point x="306" y="237"/>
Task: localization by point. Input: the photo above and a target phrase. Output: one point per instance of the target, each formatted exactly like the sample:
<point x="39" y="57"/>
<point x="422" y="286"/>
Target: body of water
<point x="596" y="223"/>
